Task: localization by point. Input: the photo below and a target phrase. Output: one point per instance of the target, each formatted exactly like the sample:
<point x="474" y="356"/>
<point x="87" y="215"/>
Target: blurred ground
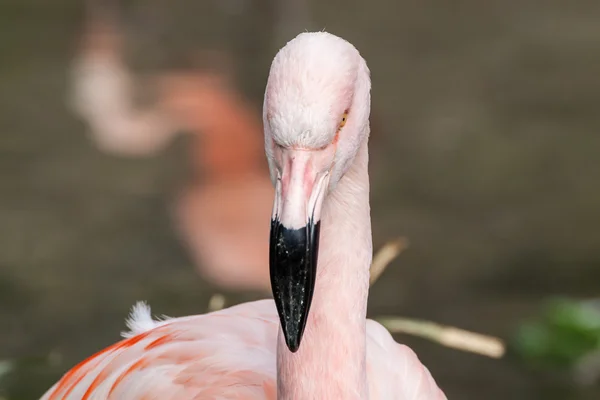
<point x="488" y="163"/>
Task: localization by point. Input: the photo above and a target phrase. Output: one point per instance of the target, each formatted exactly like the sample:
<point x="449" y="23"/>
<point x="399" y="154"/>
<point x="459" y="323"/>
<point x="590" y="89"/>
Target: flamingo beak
<point x="294" y="241"/>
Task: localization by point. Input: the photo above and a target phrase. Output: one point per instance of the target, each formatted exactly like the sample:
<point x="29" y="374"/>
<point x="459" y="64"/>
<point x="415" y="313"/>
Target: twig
<point x="447" y="336"/>
<point x="216" y="302"/>
<point x="385" y="255"/>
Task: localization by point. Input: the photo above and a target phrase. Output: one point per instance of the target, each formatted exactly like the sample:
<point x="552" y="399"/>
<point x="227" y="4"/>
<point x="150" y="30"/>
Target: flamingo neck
<point x="331" y="361"/>
<point x="231" y="143"/>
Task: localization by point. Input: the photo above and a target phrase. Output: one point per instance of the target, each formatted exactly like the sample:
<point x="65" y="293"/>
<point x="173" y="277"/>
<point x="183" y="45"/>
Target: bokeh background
<point x="486" y="157"/>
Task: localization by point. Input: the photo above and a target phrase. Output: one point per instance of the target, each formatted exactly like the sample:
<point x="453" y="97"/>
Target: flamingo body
<point x="227" y="354"/>
<point x="212" y="216"/>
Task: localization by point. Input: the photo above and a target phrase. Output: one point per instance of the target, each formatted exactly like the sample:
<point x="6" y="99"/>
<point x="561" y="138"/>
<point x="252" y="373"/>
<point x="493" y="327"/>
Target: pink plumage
<point x="228" y="354"/>
<point x="313" y="341"/>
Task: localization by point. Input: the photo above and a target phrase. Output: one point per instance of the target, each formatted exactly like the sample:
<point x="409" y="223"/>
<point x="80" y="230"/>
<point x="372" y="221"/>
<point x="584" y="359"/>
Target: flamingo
<point x="312" y="340"/>
<point x="224" y="151"/>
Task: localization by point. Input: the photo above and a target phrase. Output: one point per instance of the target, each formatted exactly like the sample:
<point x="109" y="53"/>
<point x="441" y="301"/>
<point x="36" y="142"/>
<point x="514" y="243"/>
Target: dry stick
<point x="447" y="336"/>
<point x="444" y="335"/>
<point x="385" y="256"/>
<point x="216" y="302"/>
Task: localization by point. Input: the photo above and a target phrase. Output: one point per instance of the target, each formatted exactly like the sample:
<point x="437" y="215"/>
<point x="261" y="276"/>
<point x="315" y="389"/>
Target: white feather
<point x="140" y="320"/>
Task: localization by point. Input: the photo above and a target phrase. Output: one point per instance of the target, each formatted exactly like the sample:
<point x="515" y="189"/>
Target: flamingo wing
<point x="229" y="354"/>
<point x="394" y="370"/>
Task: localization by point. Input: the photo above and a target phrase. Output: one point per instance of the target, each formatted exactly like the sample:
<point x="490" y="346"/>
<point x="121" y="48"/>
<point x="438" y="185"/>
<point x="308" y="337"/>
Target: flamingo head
<point x="316" y="117"/>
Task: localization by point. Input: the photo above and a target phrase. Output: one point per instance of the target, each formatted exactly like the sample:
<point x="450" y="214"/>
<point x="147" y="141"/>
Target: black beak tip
<point x="293" y="329"/>
<point x="293" y="343"/>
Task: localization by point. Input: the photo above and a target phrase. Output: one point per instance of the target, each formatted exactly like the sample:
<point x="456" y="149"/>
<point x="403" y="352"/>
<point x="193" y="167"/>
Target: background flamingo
<point x="225" y="154"/>
<point x="316" y="131"/>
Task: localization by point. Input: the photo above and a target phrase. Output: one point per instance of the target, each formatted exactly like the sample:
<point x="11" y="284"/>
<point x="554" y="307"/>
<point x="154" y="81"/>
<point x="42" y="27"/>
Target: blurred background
<point x="485" y="156"/>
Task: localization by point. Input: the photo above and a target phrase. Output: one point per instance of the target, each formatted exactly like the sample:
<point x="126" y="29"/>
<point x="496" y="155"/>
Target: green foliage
<point x="565" y="332"/>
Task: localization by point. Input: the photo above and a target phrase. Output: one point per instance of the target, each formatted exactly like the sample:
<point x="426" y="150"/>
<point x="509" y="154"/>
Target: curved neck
<point x="331" y="361"/>
<point x="228" y="142"/>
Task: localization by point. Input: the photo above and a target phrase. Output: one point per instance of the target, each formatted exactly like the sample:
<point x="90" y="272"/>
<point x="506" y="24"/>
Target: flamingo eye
<point x="344" y="119"/>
